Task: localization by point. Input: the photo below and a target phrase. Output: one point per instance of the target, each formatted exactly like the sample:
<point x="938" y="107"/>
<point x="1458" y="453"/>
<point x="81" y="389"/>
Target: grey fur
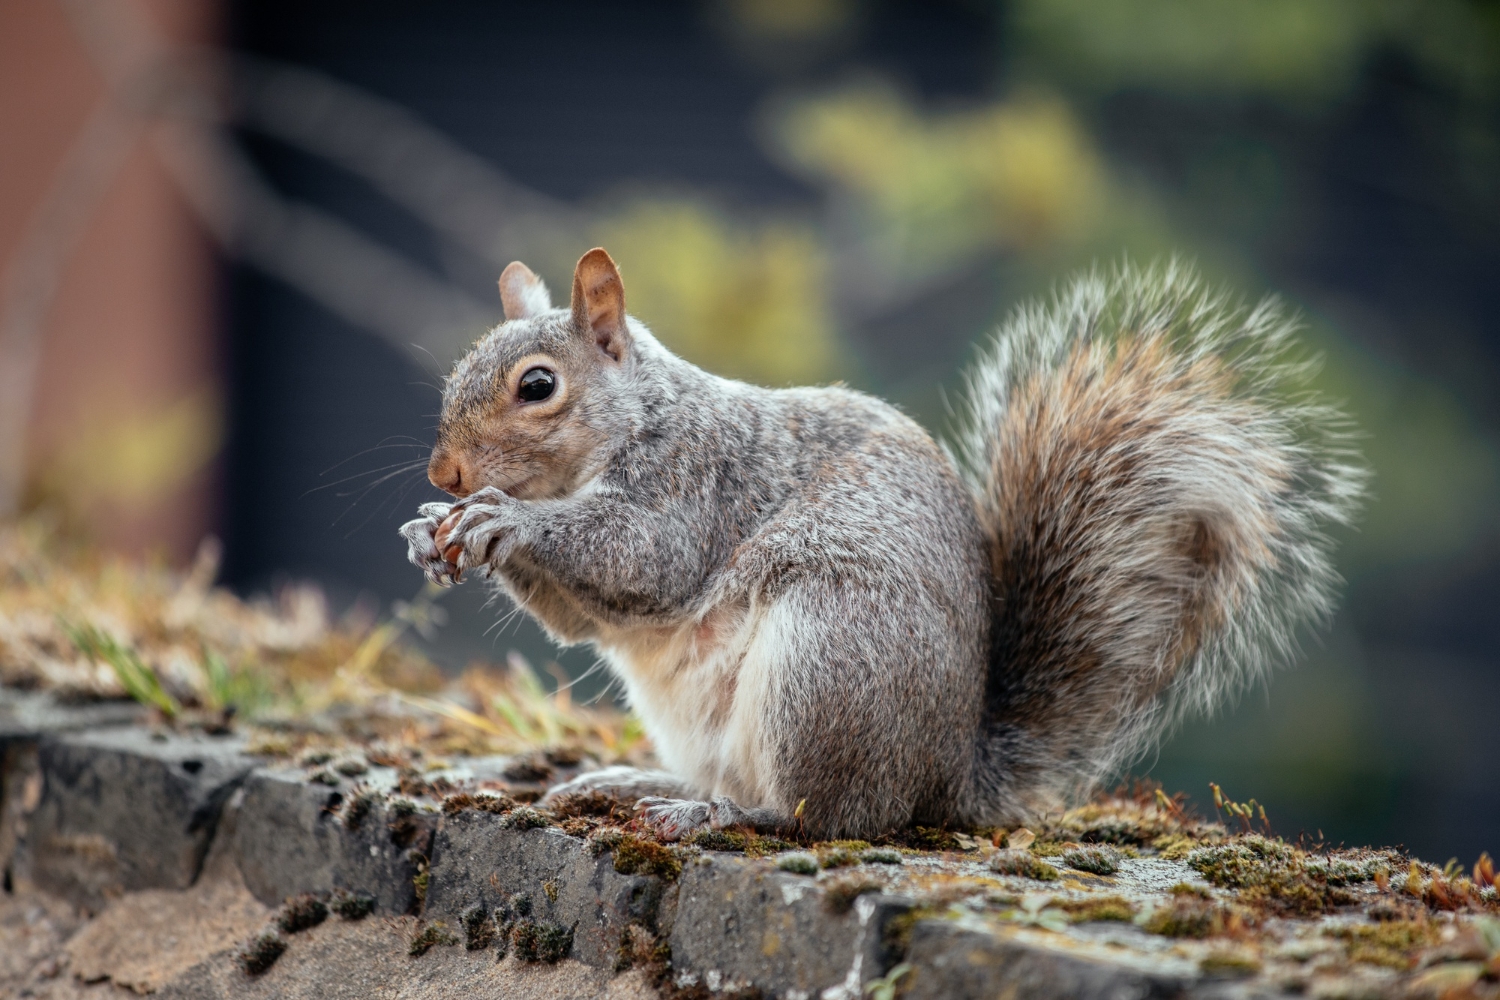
<point x="798" y="587"/>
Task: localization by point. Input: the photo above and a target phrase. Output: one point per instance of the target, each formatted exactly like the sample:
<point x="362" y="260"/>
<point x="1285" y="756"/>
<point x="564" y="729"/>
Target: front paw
<point x="422" y="546"/>
<point x="477" y="533"/>
<point x="673" y="819"/>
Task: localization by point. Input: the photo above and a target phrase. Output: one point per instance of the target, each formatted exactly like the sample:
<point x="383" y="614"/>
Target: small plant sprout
<point x="884" y="988"/>
<point x="1246" y="812"/>
<point x="1035" y="911"/>
<point x="138" y="679"/>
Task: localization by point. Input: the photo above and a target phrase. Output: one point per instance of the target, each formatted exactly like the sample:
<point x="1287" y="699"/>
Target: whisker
<point x="437" y="369"/>
<point x="398" y="496"/>
<point x="399" y="468"/>
<point x="391" y="442"/>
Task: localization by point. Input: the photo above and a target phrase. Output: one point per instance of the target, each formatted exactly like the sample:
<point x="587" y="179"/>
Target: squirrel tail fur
<point x="1155" y="484"/>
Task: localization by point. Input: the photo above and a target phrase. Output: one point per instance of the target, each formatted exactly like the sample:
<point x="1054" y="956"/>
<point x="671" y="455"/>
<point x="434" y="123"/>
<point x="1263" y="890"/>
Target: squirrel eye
<point x="536" y="385"/>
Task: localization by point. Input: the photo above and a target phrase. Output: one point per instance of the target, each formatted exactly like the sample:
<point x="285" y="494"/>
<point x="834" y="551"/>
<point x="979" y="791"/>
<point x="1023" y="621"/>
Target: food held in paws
<point x="440" y="539"/>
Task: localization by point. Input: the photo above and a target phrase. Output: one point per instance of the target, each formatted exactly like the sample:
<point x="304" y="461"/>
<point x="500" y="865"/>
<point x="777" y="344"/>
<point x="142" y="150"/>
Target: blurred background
<point x="242" y="241"/>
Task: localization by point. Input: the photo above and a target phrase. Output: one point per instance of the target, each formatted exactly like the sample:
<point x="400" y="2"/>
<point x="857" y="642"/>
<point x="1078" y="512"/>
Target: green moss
<point x="1187" y="916"/>
<point x="800" y="864"/>
<point x="301" y="912"/>
<point x="1095" y="860"/>
<point x="479" y="929"/>
<point x="604" y="839"/>
<point x="261" y="952"/>
<point x="1270" y="874"/>
<point x="1102" y="908"/>
<point x="719" y="840"/>
<point x="422" y="879"/>
<point x="357" y="808"/>
<point x="593" y="805"/>
<point x="1024" y="864"/>
<point x="922" y="838"/>
<point x="463" y="802"/>
<point x="434" y="934"/>
<point x="838" y="857"/>
<point x="351" y="905"/>
<point x="1174" y="846"/>
<point x="881" y="856"/>
<point x="750" y="844"/>
<point x="541" y="942"/>
<point x="638" y="947"/>
<point x="1229" y="963"/>
<point x="759" y="847"/>
<point x="636" y="856"/>
<point x="526" y="818"/>
<point x="1393" y="944"/>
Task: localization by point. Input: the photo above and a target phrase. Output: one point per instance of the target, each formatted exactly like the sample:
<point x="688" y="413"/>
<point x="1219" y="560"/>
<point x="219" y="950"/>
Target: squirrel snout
<point x="447" y="474"/>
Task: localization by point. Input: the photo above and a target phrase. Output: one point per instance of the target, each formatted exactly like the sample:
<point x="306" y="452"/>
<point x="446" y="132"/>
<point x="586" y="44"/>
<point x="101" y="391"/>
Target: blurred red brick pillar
<point x="125" y="417"/>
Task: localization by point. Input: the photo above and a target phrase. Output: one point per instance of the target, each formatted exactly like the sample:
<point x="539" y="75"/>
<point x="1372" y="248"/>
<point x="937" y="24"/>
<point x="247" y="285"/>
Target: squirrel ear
<point x="522" y="293"/>
<point x="599" y="302"/>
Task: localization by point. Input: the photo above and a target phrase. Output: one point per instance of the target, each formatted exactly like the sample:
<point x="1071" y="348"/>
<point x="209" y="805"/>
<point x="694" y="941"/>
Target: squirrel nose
<point x="447" y="474"/>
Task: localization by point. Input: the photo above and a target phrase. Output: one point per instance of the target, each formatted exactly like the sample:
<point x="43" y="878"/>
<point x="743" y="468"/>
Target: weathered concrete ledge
<point x="470" y="889"/>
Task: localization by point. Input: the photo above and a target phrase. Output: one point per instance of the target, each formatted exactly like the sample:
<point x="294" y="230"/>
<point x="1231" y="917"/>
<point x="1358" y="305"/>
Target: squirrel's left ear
<point x="599" y="303"/>
<point x="522" y="293"/>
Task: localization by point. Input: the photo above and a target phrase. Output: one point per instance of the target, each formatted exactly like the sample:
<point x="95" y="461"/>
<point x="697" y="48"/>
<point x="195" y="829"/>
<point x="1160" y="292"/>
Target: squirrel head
<point x="534" y="408"/>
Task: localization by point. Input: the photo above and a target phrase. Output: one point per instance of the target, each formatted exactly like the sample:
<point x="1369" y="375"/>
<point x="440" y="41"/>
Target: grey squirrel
<point x="826" y="620"/>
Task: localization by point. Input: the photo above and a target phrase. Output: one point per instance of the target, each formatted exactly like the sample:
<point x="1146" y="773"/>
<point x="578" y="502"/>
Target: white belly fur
<point x="702" y="691"/>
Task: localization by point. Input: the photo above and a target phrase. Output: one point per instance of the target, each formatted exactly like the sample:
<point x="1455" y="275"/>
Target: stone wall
<point x="161" y="858"/>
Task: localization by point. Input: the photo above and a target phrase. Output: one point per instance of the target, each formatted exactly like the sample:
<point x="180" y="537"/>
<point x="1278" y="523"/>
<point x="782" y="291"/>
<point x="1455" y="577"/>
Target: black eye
<point x="536" y="385"/>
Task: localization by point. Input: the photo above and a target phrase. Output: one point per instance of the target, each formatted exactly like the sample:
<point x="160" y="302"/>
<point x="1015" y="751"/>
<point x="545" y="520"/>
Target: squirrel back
<point x="1155" y="486"/>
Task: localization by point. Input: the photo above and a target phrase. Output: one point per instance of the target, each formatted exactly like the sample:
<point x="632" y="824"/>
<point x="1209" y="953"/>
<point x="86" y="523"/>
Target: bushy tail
<point x="1156" y="483"/>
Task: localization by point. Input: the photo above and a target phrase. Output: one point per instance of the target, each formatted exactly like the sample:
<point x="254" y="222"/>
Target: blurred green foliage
<point x="930" y="189"/>
<point x="1305" y="51"/>
<point x="744" y="301"/>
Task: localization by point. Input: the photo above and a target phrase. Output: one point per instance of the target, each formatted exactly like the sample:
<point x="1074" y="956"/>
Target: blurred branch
<point x="446" y="186"/>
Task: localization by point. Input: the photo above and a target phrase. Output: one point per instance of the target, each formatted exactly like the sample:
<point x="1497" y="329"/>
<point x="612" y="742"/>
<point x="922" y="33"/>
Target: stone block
<point x="294" y="836"/>
<point x="27" y="715"/>
<point x="953" y="962"/>
<point x="125" y="809"/>
<point x="742" y="922"/>
<point x="478" y="860"/>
